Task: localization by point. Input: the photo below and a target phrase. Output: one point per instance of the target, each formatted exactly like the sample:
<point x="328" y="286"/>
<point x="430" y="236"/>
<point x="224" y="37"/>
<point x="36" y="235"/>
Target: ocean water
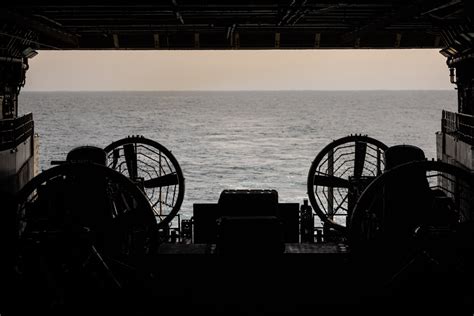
<point x="230" y="140"/>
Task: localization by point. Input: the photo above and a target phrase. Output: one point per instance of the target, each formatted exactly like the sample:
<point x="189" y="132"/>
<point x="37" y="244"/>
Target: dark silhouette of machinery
<point x="412" y="232"/>
<point x="154" y="169"/>
<point x="409" y="198"/>
<point x="90" y="230"/>
<point x="84" y="230"/>
<point x="339" y="174"/>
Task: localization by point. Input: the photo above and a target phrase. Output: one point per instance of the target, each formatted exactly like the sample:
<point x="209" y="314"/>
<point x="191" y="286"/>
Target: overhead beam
<point x="178" y="15"/>
<point x="313" y="13"/>
<point x="38" y="27"/>
<point x="297" y="11"/>
<point x="294" y="12"/>
<point x="214" y="26"/>
<point x="412" y="11"/>
<point x="445" y="10"/>
<point x="378" y="24"/>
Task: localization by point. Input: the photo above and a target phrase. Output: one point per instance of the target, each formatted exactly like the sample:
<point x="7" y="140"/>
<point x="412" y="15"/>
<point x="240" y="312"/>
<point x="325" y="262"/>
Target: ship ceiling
<point x="292" y="24"/>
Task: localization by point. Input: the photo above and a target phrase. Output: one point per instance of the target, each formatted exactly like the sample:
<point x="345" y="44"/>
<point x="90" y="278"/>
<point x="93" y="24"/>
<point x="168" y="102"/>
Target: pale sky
<point x="412" y="69"/>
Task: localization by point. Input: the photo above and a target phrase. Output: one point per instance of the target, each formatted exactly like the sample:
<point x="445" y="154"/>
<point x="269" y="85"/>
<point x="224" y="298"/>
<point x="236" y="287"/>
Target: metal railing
<point x="15" y="131"/>
<point x="459" y="125"/>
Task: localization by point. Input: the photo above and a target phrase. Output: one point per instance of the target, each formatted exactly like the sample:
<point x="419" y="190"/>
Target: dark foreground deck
<point x="308" y="279"/>
<point x="317" y="279"/>
<point x="305" y="275"/>
<point x="318" y="249"/>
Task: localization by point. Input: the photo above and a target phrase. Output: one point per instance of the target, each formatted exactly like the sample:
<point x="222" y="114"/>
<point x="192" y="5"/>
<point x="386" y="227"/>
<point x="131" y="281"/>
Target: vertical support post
<point x="12" y="78"/>
<point x="236" y="40"/>
<point x="156" y="40"/>
<point x="197" y="44"/>
<point x="277" y="40"/>
<point x="459" y="41"/>
<point x="465" y="85"/>
<point x="317" y="40"/>
<point x="116" y="40"/>
<point x="17" y="143"/>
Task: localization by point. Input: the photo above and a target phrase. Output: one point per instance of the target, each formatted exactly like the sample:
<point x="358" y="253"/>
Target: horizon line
<point x="244" y="90"/>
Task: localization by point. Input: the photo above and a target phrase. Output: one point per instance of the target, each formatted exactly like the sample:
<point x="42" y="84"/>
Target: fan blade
<point x="330" y="181"/>
<point x="359" y="159"/>
<point x="115" y="158"/>
<point x="131" y="160"/>
<point x="163" y="181"/>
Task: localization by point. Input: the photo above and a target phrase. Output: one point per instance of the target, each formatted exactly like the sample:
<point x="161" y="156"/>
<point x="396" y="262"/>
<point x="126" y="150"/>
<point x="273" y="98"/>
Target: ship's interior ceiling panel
<point x="290" y="24"/>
